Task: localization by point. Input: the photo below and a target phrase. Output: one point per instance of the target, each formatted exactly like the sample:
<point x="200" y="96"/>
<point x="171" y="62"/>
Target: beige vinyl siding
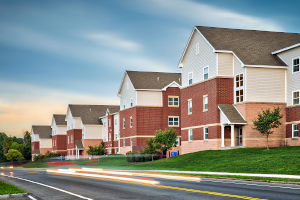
<point x="77" y="123"/>
<point x="292" y="80"/>
<point x="195" y="63"/>
<point x="36" y="137"/>
<point x="93" y="132"/>
<point x="127" y="94"/>
<point x="225" y="64"/>
<point x="149" y="98"/>
<point x="265" y="85"/>
<point x="62" y="130"/>
<point x="46" y="143"/>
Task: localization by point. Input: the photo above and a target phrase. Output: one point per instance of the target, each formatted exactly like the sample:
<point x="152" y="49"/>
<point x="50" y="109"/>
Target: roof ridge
<point x="154" y="72"/>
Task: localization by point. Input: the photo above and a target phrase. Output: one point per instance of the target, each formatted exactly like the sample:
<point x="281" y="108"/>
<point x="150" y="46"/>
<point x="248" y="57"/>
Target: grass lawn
<point x="6" y="188"/>
<point x="278" y="160"/>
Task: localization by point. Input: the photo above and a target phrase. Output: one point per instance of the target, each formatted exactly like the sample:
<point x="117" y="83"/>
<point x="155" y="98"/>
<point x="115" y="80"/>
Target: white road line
<point x="32" y="197"/>
<point x="49" y="187"/>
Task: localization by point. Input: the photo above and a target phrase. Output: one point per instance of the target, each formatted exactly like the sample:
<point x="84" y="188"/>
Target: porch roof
<point x="79" y="144"/>
<point x="231" y="115"/>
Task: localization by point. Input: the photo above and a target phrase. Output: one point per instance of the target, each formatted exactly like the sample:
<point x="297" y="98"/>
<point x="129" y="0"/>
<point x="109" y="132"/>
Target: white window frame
<point x="293" y="130"/>
<point x="71" y="138"/>
<point x="296" y="98"/>
<point x="130" y="122"/>
<point x="68" y="139"/>
<point x="204" y="134"/>
<point x="239" y="88"/>
<point x="197" y="48"/>
<point x="116" y="121"/>
<point x="131" y="142"/>
<point x="124" y="104"/>
<point x="189" y="78"/>
<point x="207" y="72"/>
<point x="104" y="124"/>
<point x="294" y="66"/>
<point x="109" y="137"/>
<point x="109" y="123"/>
<point x="173" y="101"/>
<point x="124" y="142"/>
<point x="82" y="132"/>
<point x="205" y="97"/>
<point x="131" y="102"/>
<point x="178" y="141"/>
<point x="124" y="123"/>
<point x="109" y="151"/>
<point x="190" y="134"/>
<point x="116" y="136"/>
<point x="55" y="142"/>
<point x="190" y="106"/>
<point x="170" y="117"/>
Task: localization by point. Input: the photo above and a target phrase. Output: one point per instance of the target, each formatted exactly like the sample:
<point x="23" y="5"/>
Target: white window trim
<point x="55" y="142"/>
<point x="116" y="121"/>
<point x="190" y="134"/>
<point x="109" y="123"/>
<point x="207" y="72"/>
<point x="293" y="65"/>
<point x="124" y="104"/>
<point x="205" y="133"/>
<point x="189" y="77"/>
<point x="124" y="123"/>
<point x="239" y="88"/>
<point x="131" y="142"/>
<point x="204" y="103"/>
<point x="131" y="102"/>
<point x="124" y="143"/>
<point x="189" y="106"/>
<point x="68" y="139"/>
<point x="294" y="130"/>
<point x="173" y="97"/>
<point x="131" y="122"/>
<point x="293" y="97"/>
<point x="109" y="137"/>
<point x="173" y="121"/>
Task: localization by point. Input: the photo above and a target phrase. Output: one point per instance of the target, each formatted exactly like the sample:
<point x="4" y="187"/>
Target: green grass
<point x="6" y="188"/>
<point x="278" y="160"/>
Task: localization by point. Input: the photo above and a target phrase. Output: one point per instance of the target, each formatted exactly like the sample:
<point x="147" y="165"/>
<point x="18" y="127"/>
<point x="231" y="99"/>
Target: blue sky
<point x="57" y="52"/>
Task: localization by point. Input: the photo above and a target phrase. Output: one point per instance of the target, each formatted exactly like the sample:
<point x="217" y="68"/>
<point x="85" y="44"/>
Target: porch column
<point x="232" y="135"/>
<point x="222" y="135"/>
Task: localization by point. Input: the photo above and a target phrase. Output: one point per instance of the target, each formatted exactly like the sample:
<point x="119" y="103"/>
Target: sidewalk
<point x="226" y="173"/>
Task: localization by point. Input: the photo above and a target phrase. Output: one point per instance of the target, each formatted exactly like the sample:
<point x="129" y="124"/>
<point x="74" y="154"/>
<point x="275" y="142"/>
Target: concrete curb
<point x="7" y="196"/>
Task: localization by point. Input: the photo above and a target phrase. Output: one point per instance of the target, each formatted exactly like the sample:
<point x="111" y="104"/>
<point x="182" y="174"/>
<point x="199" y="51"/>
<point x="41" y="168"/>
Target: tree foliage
<point x="151" y="147"/>
<point x="165" y="140"/>
<point x="14" y="154"/>
<point x="97" y="149"/>
<point x="2" y="156"/>
<point x="266" y="121"/>
<point x="26" y="146"/>
<point x="48" y="154"/>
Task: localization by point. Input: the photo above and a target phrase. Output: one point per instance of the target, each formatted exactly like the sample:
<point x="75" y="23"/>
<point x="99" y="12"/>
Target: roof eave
<point x="285" y="49"/>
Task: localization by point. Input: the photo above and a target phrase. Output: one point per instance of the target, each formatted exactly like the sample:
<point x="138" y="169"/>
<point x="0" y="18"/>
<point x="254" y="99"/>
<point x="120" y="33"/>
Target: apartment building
<point x="59" y="134"/>
<point x="149" y="101"/>
<point x="84" y="128"/>
<point x="41" y="140"/>
<point x="228" y="76"/>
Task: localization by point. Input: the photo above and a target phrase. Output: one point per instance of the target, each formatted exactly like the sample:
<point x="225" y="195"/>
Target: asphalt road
<point x="42" y="185"/>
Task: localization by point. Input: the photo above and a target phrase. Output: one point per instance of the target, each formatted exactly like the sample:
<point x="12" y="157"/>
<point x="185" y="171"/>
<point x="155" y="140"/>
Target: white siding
<point x="75" y="122"/>
<point x="293" y="80"/>
<point x="265" y="84"/>
<point x="105" y="129"/>
<point x="127" y="94"/>
<point x="149" y="98"/>
<point x="225" y="64"/>
<point x="195" y="63"/>
<point x="238" y="69"/>
<point x="223" y="118"/>
<point x="116" y="127"/>
<point x="54" y="127"/>
<point x="70" y="119"/>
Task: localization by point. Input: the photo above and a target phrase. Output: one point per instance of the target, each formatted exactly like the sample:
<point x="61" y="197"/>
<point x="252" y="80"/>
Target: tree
<point x="165" y="140"/>
<point x="266" y="121"/>
<point x="2" y="156"/>
<point x="14" y="154"/>
<point x="97" y="150"/>
<point x="151" y="147"/>
<point x="26" y="146"/>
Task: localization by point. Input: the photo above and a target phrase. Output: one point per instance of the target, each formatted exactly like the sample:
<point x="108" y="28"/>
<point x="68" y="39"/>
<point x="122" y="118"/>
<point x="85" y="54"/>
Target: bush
<point x="140" y="156"/>
<point x="48" y="154"/>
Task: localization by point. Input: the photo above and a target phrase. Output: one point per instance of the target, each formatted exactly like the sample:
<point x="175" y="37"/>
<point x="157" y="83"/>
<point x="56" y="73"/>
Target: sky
<point x="55" y="53"/>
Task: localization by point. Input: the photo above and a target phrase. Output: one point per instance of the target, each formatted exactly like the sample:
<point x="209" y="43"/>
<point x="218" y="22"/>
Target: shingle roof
<point x="43" y="131"/>
<point x="79" y="144"/>
<point x="251" y="47"/>
<point x="90" y="114"/>
<point x="232" y="114"/>
<point x="60" y="119"/>
<point x="149" y="80"/>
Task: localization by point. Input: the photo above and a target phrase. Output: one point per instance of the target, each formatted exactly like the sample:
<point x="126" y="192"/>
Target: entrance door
<point x="240" y="135"/>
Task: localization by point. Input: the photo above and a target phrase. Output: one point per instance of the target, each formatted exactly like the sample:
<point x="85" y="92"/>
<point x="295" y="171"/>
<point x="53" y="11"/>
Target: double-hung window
<point x="205" y="73"/>
<point x="296" y="65"/>
<point x="205" y="133"/>
<point x="124" y="104"/>
<point x="173" y="101"/>
<point x="295" y="130"/>
<point x="239" y="88"/>
<point x="55" y="142"/>
<point x="124" y="142"/>
<point x="109" y="137"/>
<point x="123" y="123"/>
<point x="131" y="102"/>
<point x="190" y="78"/>
<point x="173" y="121"/>
<point x="190" y="134"/>
<point x="130" y="122"/>
<point x="71" y="138"/>
<point x="116" y="136"/>
<point x="68" y="139"/>
<point x="296" y="98"/>
<point x="205" y="103"/>
<point x="190" y="107"/>
<point x="109" y="123"/>
<point x="131" y="141"/>
<point x="116" y="122"/>
<point x="104" y="124"/>
<point x="83" y="132"/>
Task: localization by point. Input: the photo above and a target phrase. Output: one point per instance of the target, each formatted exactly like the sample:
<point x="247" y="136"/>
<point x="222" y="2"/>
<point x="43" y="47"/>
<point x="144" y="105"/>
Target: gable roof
<point x="232" y="114"/>
<point x="79" y="144"/>
<point x="60" y="120"/>
<point x="90" y="114"/>
<point x="252" y="47"/>
<point x="42" y="131"/>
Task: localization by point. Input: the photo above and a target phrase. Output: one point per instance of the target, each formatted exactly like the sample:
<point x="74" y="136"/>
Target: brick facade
<point x="89" y="142"/>
<point x="292" y="117"/>
<point x="61" y="144"/>
<point x="76" y="134"/>
<point x="34" y="145"/>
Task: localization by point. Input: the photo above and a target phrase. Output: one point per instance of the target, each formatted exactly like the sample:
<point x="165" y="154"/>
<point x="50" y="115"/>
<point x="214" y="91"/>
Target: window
<point x="68" y="139"/>
<point x="55" y="132"/>
<point x="131" y="102"/>
<point x="197" y="49"/>
<point x="124" y="142"/>
<point x="124" y="103"/>
<point x="55" y="142"/>
<point x="190" y="134"/>
<point x="173" y="121"/>
<point x="109" y="137"/>
<point x="205" y="133"/>
<point x="205" y="73"/>
<point x="173" y="101"/>
<point x="296" y="65"/>
<point x="123" y="123"/>
<point x="71" y="126"/>
<point x="109" y="151"/>
<point x="190" y="78"/>
<point x="177" y="141"/>
<point x="109" y="123"/>
<point x="295" y="130"/>
<point x="131" y="141"/>
<point x="116" y="136"/>
<point x="83" y="132"/>
<point x="296" y="98"/>
<point x="116" y="122"/>
<point x="105" y="139"/>
<point x="190" y="107"/>
<point x="104" y="124"/>
<point x="71" y="138"/>
<point x="239" y="88"/>
<point x="130" y="122"/>
<point x="205" y="103"/>
<point x="52" y="132"/>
